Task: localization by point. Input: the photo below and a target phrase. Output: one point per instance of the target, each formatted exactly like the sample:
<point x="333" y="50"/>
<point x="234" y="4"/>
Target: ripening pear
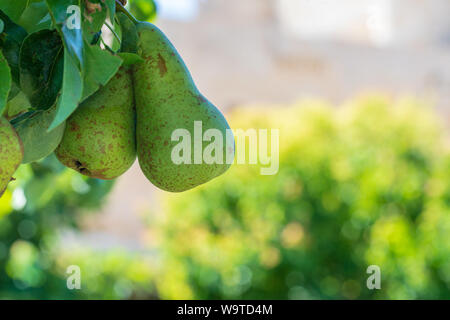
<point x="100" y="140"/>
<point x="172" y="112"/>
<point x="11" y="153"/>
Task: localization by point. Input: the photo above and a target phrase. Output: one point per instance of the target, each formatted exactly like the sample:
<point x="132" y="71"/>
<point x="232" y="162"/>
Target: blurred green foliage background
<point x="363" y="184"/>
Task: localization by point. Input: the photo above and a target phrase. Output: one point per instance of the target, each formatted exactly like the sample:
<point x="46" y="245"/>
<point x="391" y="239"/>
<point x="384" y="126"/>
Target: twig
<point x="121" y="8"/>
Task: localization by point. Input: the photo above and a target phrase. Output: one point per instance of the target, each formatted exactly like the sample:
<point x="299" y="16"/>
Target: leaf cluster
<point x="49" y="63"/>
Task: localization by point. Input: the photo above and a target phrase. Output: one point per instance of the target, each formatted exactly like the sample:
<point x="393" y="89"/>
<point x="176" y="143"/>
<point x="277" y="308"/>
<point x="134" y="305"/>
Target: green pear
<point x="100" y="137"/>
<point x="11" y="153"/>
<point x="168" y="100"/>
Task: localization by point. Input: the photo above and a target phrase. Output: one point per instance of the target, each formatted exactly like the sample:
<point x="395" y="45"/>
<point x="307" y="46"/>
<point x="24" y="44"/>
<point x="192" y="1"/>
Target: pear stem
<point x="121" y="8"/>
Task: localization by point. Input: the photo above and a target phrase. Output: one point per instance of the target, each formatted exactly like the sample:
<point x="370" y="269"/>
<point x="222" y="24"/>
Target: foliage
<point x="50" y="61"/>
<point x="45" y="200"/>
<point x="360" y="185"/>
<point x="143" y="10"/>
<point x="367" y="184"/>
<point x="112" y="274"/>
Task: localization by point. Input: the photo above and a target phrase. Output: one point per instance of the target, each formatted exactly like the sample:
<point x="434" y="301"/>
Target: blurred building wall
<point x="278" y="51"/>
<point x="368" y="22"/>
<point x="281" y="50"/>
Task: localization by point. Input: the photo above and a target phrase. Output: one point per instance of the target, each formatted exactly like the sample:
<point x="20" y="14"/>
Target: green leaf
<point x="94" y="13"/>
<point x="117" y="39"/>
<point x="72" y="37"/>
<point x="111" y="5"/>
<point x="144" y="10"/>
<point x="72" y="89"/>
<point x="2" y="26"/>
<point x="11" y="46"/>
<point x="14" y="91"/>
<point x="129" y="34"/>
<point x="13" y="9"/>
<point x="130" y="58"/>
<point x="36" y="17"/>
<point x="101" y="66"/>
<point x="5" y="80"/>
<point x="17" y="105"/>
<point x="37" y="141"/>
<point x="41" y="68"/>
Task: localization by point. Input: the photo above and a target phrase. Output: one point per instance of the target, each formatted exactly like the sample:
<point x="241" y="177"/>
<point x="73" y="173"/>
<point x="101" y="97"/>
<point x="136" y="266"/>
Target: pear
<point x="99" y="139"/>
<point x="168" y="100"/>
<point x="11" y="153"/>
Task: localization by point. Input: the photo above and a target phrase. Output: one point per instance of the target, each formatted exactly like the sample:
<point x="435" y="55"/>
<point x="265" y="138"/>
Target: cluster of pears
<point x="133" y="115"/>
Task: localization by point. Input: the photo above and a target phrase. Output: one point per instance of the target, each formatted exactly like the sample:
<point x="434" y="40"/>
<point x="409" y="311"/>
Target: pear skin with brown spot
<point x="100" y="137"/>
<point x="167" y="99"/>
<point x="11" y="153"/>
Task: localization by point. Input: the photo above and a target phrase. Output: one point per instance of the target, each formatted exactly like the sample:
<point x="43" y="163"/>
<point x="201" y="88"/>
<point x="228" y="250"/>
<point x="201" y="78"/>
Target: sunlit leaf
<point x="72" y="90"/>
<point x="101" y="66"/>
<point x="13" y="9"/>
<point x="66" y="23"/>
<point x="17" y="105"/>
<point x="35" y="17"/>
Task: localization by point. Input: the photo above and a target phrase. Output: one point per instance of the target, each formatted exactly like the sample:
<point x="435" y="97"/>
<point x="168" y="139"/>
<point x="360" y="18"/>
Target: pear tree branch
<point x="121" y="8"/>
